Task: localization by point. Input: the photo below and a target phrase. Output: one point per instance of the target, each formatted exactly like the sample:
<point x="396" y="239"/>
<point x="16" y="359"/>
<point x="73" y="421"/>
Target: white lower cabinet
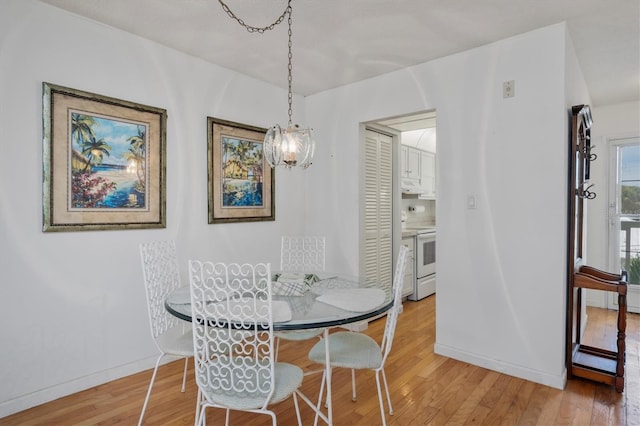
<point x="410" y="273"/>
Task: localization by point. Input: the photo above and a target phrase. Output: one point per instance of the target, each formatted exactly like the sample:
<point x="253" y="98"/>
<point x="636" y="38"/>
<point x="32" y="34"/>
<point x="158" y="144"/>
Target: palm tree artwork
<point x="95" y="150"/>
<point x="242" y="173"/>
<point x="136" y="156"/>
<point x="108" y="163"/>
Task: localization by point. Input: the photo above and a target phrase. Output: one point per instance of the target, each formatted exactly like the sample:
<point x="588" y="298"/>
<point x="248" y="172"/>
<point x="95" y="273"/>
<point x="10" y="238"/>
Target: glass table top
<point x="335" y="299"/>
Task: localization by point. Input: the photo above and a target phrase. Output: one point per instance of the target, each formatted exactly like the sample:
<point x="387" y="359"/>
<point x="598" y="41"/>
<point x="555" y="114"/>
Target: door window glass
<point x="628" y="190"/>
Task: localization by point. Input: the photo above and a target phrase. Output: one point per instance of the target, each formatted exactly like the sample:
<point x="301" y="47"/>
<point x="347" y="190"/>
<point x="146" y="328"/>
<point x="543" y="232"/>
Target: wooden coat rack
<point x="584" y="361"/>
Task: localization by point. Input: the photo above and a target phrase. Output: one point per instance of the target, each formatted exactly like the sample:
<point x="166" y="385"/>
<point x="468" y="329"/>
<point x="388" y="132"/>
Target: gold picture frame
<point x="104" y="162"/>
<point x="241" y="184"/>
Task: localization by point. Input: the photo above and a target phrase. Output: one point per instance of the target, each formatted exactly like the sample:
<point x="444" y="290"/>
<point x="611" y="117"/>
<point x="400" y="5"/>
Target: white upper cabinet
<point x="410" y="163"/>
<point x="418" y="172"/>
<point x="428" y="174"/>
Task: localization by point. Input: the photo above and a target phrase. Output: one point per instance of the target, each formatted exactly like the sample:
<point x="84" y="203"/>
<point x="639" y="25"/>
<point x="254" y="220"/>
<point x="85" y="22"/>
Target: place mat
<point x="292" y="284"/>
<point x="353" y="299"/>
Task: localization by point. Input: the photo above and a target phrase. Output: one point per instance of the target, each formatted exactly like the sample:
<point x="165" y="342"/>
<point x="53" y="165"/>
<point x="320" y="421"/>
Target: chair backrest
<point x="302" y="254"/>
<point x="232" y="324"/>
<point x="392" y="315"/>
<point x="161" y="277"/>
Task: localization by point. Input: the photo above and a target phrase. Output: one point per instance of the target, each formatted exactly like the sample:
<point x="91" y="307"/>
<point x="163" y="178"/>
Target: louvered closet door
<point x="378" y="216"/>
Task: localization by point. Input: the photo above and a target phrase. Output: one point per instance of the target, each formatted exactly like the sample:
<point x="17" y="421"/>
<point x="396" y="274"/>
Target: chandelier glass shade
<point x="291" y="146"/>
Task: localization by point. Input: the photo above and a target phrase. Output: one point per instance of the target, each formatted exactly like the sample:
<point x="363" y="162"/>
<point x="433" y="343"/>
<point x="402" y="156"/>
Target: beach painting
<point x="241" y="184"/>
<point x="242" y="173"/>
<point x="104" y="162"/>
<point x="109" y="163"/>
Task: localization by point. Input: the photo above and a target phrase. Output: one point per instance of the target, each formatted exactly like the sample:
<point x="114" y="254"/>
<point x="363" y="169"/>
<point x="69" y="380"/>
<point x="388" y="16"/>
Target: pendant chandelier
<point x="291" y="146"/>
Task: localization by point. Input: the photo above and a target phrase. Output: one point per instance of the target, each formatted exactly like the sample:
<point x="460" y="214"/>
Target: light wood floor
<point x="425" y="389"/>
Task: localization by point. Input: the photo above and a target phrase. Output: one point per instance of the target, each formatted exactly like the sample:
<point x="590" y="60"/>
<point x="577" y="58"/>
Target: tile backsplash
<point x="419" y="212"/>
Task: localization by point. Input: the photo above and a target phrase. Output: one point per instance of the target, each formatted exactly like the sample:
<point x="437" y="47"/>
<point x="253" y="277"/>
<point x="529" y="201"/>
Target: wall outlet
<point x="509" y="89"/>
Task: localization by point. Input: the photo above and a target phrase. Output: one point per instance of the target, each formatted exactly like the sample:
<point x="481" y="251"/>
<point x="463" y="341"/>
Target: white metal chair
<point x="171" y="335"/>
<point x="358" y="351"/>
<point x="232" y="320"/>
<point x="304" y="255"/>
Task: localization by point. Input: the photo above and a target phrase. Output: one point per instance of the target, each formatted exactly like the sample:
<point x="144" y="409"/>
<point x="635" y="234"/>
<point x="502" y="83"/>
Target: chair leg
<point x="329" y="399"/>
<point x="146" y="400"/>
<point x="326" y="401"/>
<point x="274" y="422"/>
<point x="353" y="384"/>
<point x="386" y="388"/>
<point x="200" y="417"/>
<point x="384" y="420"/>
<point x="184" y="376"/>
<point x="227" y="417"/>
<point x="324" y="377"/>
<point x="275" y="358"/>
<point x="295" y="402"/>
<point x="198" y="399"/>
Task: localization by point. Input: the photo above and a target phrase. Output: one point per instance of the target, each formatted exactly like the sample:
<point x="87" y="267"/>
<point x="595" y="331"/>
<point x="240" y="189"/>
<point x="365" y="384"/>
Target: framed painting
<point x="241" y="183"/>
<point x="103" y="162"/>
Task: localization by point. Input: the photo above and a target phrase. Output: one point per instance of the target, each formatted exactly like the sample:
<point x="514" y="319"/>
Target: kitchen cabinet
<point x="428" y="174"/>
<point x="410" y="272"/>
<point x="410" y="163"/>
<point x="418" y="171"/>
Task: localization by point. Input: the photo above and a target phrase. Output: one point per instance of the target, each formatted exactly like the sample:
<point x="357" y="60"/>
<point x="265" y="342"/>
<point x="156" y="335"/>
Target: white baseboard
<point x="41" y="396"/>
<point x="596" y="298"/>
<point x="557" y="382"/>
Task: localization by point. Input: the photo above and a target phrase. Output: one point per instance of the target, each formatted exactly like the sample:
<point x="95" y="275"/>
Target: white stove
<point x="425" y="256"/>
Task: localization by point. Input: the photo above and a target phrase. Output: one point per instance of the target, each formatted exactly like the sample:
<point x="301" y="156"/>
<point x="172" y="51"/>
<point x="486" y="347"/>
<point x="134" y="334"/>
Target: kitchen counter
<point x="412" y="231"/>
<point x="408" y="233"/>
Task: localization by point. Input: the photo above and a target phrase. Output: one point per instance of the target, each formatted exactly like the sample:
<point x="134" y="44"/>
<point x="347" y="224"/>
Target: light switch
<point x="471" y="202"/>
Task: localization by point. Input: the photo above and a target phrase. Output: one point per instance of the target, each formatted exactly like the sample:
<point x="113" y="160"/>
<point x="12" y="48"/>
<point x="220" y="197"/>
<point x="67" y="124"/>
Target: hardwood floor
<point x="426" y="389"/>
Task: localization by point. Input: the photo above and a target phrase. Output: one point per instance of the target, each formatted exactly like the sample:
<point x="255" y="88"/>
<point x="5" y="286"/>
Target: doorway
<point x="624" y="215"/>
<point x="388" y="138"/>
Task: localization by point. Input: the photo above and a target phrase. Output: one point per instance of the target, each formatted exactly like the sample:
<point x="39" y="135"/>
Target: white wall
<point x="74" y="310"/>
<point x="501" y="267"/>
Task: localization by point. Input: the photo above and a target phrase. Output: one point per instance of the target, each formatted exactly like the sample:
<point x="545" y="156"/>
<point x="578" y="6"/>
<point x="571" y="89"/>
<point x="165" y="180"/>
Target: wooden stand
<point x="584" y="361"/>
<point x="601" y="365"/>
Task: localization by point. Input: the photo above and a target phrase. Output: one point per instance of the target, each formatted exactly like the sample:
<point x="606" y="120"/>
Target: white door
<point x="624" y="216"/>
<point x="378" y="207"/>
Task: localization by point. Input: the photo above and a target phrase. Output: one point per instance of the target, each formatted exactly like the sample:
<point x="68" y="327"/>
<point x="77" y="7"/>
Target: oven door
<point x="426" y="254"/>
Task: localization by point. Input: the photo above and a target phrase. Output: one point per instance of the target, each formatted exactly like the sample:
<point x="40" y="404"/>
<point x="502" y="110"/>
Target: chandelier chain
<point x="290" y="67"/>
<point x="293" y="146"/>
<point x="251" y="28"/>
<point x="261" y="30"/>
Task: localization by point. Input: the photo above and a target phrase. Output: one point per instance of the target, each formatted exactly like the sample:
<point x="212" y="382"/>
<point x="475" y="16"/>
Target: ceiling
<point x="336" y="42"/>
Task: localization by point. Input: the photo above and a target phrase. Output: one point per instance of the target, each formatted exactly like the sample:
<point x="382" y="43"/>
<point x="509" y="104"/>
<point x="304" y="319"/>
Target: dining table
<point x="331" y="300"/>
